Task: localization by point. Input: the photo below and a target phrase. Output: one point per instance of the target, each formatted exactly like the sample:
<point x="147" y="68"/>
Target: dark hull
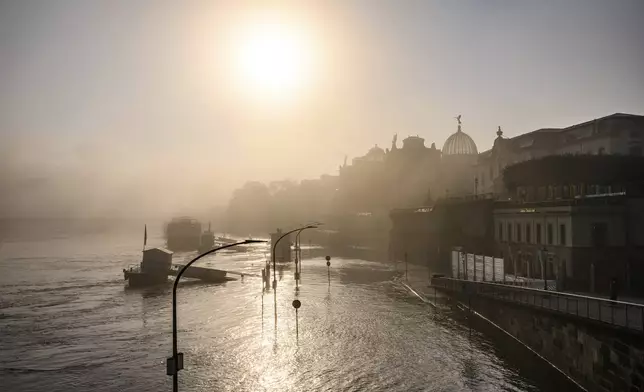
<point x="183" y="244"/>
<point x="139" y="279"/>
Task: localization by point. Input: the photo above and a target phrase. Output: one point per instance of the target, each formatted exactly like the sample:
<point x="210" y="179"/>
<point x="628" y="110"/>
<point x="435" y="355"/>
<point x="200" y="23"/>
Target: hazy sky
<point x="108" y="106"/>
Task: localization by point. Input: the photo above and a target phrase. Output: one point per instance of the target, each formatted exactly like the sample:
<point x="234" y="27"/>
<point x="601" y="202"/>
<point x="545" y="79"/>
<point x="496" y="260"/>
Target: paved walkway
<point x="633" y="300"/>
<point x="626" y="312"/>
<point x="618" y="313"/>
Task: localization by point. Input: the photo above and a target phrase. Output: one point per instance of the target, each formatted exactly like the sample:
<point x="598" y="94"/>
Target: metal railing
<point x="511" y="280"/>
<point x="618" y="313"/>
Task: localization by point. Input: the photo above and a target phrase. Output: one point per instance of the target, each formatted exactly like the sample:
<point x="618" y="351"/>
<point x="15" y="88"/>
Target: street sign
<point x="171" y="369"/>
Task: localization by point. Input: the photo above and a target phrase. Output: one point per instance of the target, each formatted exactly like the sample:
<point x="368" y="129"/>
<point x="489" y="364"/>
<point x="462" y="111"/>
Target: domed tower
<point x="459" y="156"/>
<point x="459" y="143"/>
<point x="376" y="154"/>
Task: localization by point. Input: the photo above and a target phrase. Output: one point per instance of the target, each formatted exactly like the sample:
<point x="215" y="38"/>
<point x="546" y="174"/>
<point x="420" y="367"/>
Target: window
<point x="598" y="235"/>
<point x="500" y="231"/>
<point x="601" y="151"/>
<point x="550" y="234"/>
<point x="518" y="232"/>
<point x="538" y="233"/>
<point x="509" y="232"/>
<point x="635" y="150"/>
<point x="528" y="233"/>
<point x="562" y="234"/>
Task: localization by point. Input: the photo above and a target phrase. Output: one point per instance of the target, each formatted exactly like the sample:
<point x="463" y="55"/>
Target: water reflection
<point x="364" y="331"/>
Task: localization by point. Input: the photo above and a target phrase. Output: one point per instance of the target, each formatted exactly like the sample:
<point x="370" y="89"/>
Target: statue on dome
<point x="393" y="142"/>
<point x="499" y="133"/>
<point x="458" y="118"/>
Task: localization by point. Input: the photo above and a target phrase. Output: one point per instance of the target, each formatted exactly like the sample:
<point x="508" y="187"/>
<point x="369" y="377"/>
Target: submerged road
<point x="68" y="324"/>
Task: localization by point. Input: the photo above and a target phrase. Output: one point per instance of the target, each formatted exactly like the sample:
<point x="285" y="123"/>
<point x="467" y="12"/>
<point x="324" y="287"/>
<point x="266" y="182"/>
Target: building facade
<point x="574" y="218"/>
<point x="410" y="176"/>
<point x="617" y="134"/>
<point x="577" y="219"/>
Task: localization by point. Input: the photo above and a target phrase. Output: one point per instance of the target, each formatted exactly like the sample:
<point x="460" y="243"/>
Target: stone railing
<point x="617" y="313"/>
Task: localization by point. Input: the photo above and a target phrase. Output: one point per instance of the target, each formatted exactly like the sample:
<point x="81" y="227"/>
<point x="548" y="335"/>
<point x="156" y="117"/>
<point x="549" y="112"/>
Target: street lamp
<point x="175" y="363"/>
<point x="275" y="263"/>
<point x="298" y="248"/>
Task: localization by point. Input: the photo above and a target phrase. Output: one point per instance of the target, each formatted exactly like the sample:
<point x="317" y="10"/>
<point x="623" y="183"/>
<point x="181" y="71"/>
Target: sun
<point x="273" y="60"/>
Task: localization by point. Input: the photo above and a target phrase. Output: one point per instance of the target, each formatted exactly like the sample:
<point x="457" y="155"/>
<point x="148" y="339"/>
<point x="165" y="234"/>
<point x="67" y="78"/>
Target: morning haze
<point x="321" y="195"/>
<point x="144" y="109"/>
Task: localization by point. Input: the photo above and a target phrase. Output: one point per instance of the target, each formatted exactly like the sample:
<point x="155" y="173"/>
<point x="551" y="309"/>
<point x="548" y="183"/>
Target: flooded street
<point x="67" y="323"/>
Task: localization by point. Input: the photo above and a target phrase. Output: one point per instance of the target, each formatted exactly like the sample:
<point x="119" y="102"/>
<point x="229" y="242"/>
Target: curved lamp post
<point x="175" y="363"/>
<point x="298" y="246"/>
<point x="297" y="250"/>
<point x="275" y="263"/>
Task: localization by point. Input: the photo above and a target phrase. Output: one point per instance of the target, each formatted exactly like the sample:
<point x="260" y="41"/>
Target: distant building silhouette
<point x="553" y="212"/>
<point x="617" y="134"/>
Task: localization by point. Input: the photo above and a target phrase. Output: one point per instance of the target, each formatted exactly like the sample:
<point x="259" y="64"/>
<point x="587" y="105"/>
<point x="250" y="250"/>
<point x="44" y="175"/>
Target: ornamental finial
<point x="458" y="118"/>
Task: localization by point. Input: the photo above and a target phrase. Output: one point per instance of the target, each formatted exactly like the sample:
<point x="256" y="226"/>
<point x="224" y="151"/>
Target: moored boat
<point x="183" y="234"/>
<point x="207" y="240"/>
<point x="153" y="269"/>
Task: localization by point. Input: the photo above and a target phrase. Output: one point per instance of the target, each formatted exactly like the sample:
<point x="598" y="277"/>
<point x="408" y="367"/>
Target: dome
<point x="377" y="151"/>
<point x="375" y="154"/>
<point x="414" y="142"/>
<point x="460" y="143"/>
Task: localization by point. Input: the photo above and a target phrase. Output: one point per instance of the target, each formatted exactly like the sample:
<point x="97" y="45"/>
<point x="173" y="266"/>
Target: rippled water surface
<point x="67" y="323"/>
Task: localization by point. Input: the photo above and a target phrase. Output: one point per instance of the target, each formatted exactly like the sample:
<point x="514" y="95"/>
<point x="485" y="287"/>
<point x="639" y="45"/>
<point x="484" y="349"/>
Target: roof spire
<point x="458" y="118"/>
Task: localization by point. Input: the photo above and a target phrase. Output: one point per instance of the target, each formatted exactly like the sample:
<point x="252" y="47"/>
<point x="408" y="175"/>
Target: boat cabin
<point x="157" y="260"/>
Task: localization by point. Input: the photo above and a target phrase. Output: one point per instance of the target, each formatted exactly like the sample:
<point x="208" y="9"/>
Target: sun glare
<point x="273" y="60"/>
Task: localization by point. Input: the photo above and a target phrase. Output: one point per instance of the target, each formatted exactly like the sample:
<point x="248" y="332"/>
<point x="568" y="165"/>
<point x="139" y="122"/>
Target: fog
<point x="137" y="109"/>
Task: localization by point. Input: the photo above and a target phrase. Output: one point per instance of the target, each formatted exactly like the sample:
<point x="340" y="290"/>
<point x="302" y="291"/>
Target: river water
<point x="67" y="323"/>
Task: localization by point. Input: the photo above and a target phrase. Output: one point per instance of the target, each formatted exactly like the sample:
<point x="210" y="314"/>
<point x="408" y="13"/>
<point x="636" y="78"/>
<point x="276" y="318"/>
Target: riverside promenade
<point x="624" y="313"/>
<point x="594" y="341"/>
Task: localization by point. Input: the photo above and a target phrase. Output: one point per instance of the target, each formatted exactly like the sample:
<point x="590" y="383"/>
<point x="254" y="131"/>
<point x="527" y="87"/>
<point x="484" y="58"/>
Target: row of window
<point x="519" y="235"/>
<point x="531" y="193"/>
